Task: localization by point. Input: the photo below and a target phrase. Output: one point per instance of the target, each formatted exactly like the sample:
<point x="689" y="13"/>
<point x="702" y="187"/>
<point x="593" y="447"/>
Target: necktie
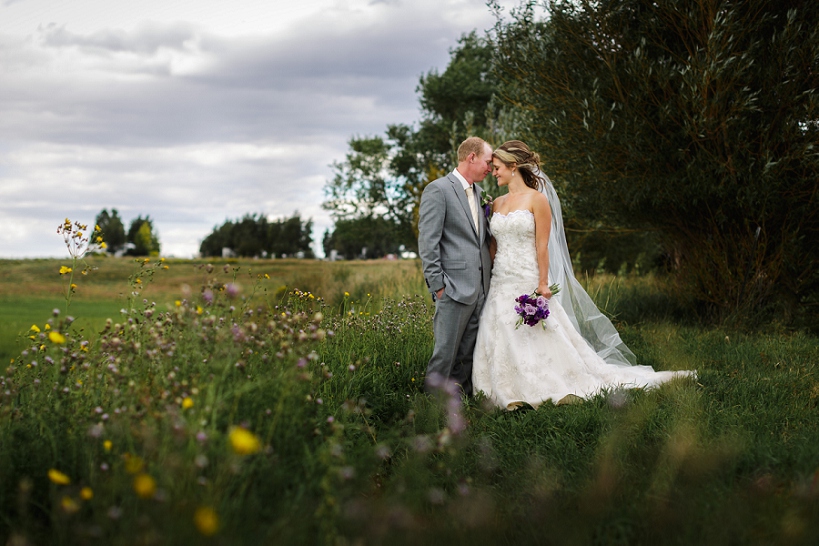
<point x="470" y="196"/>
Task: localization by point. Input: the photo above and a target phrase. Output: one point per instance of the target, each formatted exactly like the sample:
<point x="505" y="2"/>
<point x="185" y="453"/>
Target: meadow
<point x="256" y="402"/>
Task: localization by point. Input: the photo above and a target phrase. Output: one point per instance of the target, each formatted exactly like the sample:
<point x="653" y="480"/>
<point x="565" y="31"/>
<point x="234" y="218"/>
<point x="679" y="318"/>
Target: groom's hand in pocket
<point x="439" y="293"/>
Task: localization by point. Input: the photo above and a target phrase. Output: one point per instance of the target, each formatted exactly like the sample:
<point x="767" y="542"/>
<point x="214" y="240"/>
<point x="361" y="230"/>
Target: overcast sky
<point x="198" y="111"/>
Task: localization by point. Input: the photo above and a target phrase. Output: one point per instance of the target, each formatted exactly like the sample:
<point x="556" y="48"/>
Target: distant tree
<point x="113" y="230"/>
<point x="141" y="234"/>
<point x="696" y="119"/>
<point x="385" y="175"/>
<point x="256" y="236"/>
<point x="369" y="237"/>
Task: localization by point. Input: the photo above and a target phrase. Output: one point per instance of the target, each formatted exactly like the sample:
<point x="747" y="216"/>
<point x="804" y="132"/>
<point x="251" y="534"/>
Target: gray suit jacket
<point x="453" y="255"/>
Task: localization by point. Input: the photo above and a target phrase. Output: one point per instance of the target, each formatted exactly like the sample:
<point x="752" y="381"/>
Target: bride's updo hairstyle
<point x="514" y="153"/>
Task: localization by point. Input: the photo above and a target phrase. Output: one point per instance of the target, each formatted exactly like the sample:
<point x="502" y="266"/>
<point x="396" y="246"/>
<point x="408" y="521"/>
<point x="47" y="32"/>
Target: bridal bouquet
<point x="533" y="308"/>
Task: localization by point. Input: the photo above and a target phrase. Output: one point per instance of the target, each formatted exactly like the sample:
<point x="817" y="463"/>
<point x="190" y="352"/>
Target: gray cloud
<point x="171" y="120"/>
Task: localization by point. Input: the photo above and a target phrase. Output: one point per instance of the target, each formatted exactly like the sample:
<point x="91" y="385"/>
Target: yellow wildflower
<point x="165" y="267"/>
<point x="199" y="310"/>
<point x="97" y="228"/>
<point x="48" y="326"/>
<point x="107" y="445"/>
<point x="99" y="239"/>
<point x="42" y="347"/>
<point x="187" y="403"/>
<point x="244" y="442"/>
<point x="58" y="477"/>
<point x="103" y="245"/>
<point x="56" y="337"/>
<point x="34" y="328"/>
<point x="86" y="493"/>
<point x="69" y="505"/>
<point x="78" y="235"/>
<point x="64" y="270"/>
<point x="138" y="281"/>
<point x="346" y="294"/>
<point x="206" y="520"/>
<point x="133" y="464"/>
<point x="146" y="260"/>
<point x="266" y="276"/>
<point x="32" y="337"/>
<point x="178" y="303"/>
<point x="144" y="486"/>
<point x="73" y="286"/>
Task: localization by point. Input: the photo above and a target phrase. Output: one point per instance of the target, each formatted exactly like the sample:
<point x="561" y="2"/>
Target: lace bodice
<point x="516" y="255"/>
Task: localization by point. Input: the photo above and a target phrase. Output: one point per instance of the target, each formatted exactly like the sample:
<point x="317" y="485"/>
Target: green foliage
<point x="367" y="237"/>
<point x="351" y="452"/>
<point x="386" y="176"/>
<point x="113" y="230"/>
<point x="143" y="237"/>
<point x="694" y="119"/>
<point x="255" y="236"/>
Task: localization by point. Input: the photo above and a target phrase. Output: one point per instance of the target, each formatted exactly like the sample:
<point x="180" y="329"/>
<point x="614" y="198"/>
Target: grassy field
<point x="288" y="410"/>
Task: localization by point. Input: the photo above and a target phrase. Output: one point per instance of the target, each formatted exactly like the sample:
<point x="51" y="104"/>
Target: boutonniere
<point x="486" y="202"/>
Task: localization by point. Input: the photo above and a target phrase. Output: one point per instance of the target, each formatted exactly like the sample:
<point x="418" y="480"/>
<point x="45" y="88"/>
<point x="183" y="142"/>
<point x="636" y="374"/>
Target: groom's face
<point x="481" y="165"/>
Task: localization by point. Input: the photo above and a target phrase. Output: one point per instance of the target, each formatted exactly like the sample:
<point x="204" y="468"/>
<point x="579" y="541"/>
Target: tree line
<point x="141" y="238"/>
<point x="681" y="136"/>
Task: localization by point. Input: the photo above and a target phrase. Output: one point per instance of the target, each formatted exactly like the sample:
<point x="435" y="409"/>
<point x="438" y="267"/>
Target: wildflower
<point x="35" y="329"/>
<point x="133" y="464"/>
<point x="47" y="327"/>
<point x="144" y="486"/>
<point x="107" y="445"/>
<point x="206" y="520"/>
<point x="244" y="442"/>
<point x="103" y="245"/>
<point x="178" y="303"/>
<point x="266" y="276"/>
<point x="69" y="505"/>
<point x="98" y="239"/>
<point x="346" y="294"/>
<point x="73" y="286"/>
<point x="64" y="270"/>
<point x="187" y="403"/>
<point x="58" y="477"/>
<point x="199" y="310"/>
<point x="56" y="337"/>
<point x="86" y="493"/>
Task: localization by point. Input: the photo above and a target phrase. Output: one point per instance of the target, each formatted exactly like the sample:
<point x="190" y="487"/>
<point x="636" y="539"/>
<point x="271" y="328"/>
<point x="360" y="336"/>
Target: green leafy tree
<point x="143" y="237"/>
<point x="112" y="230"/>
<point x="255" y="236"/>
<point x="368" y="237"/>
<point x="385" y="176"/>
<point x="694" y="119"/>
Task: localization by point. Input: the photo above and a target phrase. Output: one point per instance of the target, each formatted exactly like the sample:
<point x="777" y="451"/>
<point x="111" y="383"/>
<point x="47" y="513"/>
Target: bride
<point x="576" y="351"/>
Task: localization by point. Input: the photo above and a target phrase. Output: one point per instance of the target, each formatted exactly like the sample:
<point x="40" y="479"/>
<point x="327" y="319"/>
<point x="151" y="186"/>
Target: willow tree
<point x="694" y="118"/>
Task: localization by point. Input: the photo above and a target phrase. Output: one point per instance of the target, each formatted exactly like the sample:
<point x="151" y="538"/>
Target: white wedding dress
<point x="532" y="364"/>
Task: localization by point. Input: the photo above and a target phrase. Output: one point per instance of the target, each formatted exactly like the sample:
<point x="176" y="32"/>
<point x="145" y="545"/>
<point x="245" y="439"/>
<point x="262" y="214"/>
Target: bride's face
<point x="501" y="172"/>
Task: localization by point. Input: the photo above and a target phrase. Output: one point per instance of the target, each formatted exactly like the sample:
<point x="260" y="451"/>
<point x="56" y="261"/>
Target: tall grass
<point x="351" y="452"/>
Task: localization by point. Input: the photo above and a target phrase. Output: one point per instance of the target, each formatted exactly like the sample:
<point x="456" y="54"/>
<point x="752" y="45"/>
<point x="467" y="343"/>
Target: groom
<point x="453" y="242"/>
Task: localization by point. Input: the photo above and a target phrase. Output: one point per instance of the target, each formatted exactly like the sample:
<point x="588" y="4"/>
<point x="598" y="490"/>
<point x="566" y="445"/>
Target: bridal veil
<point x="594" y="326"/>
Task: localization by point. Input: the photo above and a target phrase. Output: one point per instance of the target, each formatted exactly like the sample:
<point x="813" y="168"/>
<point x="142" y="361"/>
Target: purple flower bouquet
<point x="533" y="308"/>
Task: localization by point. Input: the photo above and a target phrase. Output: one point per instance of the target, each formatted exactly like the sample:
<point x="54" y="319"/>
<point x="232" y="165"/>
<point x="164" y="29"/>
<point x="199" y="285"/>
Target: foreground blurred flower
<point x="244" y="442"/>
<point x="144" y="486"/>
<point x="56" y="337"/>
<point x="133" y="464"/>
<point x="206" y="520"/>
<point x="64" y="270"/>
<point x="58" y="477"/>
<point x="34" y="328"/>
<point x="187" y="403"/>
<point x="69" y="505"/>
<point x="86" y="493"/>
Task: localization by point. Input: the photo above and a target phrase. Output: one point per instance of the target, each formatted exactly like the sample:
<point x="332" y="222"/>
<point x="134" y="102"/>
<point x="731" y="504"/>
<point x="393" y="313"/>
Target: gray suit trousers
<point x="454" y="320"/>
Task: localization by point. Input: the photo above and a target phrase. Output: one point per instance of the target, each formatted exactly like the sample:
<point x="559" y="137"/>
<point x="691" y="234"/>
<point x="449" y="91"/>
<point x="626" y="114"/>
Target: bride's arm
<point x="543" y="228"/>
